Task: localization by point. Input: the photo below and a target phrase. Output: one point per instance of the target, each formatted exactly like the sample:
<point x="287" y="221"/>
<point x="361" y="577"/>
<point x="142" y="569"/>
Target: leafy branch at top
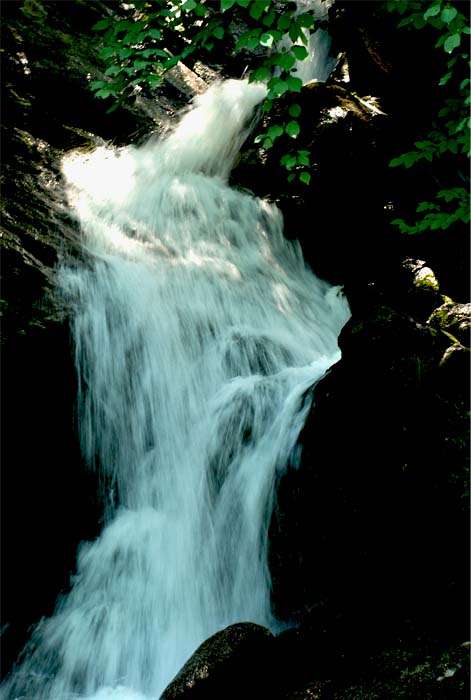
<point x="139" y="48"/>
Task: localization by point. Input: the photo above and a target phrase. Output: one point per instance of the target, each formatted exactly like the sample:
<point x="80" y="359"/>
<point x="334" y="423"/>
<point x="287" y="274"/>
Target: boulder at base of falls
<point x="233" y="663"/>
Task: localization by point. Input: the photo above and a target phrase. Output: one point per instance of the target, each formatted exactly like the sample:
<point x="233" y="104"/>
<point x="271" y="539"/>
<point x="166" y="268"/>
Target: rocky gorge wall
<point x="369" y="544"/>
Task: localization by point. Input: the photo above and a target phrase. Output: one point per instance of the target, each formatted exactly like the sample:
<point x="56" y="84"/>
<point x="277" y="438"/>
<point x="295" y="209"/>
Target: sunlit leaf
<point x="292" y="129"/>
<point x="305" y="177"/>
<point x="452" y="42"/>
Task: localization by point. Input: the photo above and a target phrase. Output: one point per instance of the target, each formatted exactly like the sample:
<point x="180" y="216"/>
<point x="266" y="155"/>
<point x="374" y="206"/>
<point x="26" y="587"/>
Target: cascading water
<point x="198" y="332"/>
<point x="319" y="64"/>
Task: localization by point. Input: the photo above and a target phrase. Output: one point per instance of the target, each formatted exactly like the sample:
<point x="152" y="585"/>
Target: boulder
<point x="454" y="320"/>
<point x="233" y="663"/>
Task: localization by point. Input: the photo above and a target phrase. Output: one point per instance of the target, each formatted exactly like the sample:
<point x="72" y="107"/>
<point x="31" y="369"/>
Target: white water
<point x="198" y="332"/>
<point x="319" y="64"/>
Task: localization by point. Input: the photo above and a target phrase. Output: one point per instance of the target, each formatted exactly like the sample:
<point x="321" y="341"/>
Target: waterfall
<point x="319" y="64"/>
<point x="199" y="332"/>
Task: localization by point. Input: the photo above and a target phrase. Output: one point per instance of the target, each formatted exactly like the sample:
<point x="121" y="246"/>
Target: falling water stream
<point x="199" y="332"/>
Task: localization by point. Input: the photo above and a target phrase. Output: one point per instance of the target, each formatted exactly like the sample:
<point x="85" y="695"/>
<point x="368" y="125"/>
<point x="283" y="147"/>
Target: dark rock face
<point x="233" y="663"/>
<point x="379" y="502"/>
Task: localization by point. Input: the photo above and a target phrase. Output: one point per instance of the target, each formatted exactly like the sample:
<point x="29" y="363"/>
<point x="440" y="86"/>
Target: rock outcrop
<point x="233" y="663"/>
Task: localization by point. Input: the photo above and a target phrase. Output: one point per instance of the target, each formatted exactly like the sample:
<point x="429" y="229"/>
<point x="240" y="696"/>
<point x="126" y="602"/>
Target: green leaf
<point x="433" y="10"/>
<point x="253" y="43"/>
<point x="452" y="146"/>
<point x="125" y="25"/>
<point x="147" y="53"/>
<point x="453" y="193"/>
<point x="261" y="73"/>
<point x="104" y="93"/>
<point x="411" y="158"/>
<point x="268" y="143"/>
<point x="401" y="6"/>
<point x="286" y="61"/>
<point x="125" y="53"/>
<point x="294" y="84"/>
<point x="269" y="19"/>
<point x="218" y="32"/>
<point x="448" y="14"/>
<point x="107" y="52"/>
<point x="129" y="38"/>
<point x="402" y="225"/>
<point x="140" y="65"/>
<point x="453" y="41"/>
<point x="395" y="162"/>
<point x="305" y="20"/>
<point x="425" y="206"/>
<point x="423" y="145"/>
<point x="154" y="80"/>
<point x="292" y="129"/>
<point x="226" y="4"/>
<point x="436" y="22"/>
<point x="295" y="110"/>
<point x="462" y="125"/>
<point x="170" y="62"/>
<point x="155" y="34"/>
<point x="289" y="161"/>
<point x="405" y="21"/>
<point x="300" y="52"/>
<point x="243" y="3"/>
<point x="281" y="88"/>
<point x="266" y="40"/>
<point x="305" y="177"/>
<point x="295" y="33"/>
<point x="259" y="138"/>
<point x="258" y="7"/>
<point x="445" y="79"/>
<point x="284" y="22"/>
<point x="275" y="131"/>
<point x="113" y="70"/>
<point x="97" y="84"/>
<point x="291" y="177"/>
<point x="275" y="34"/>
<point x="278" y="85"/>
<point x="419" y="22"/>
<point x="303" y="158"/>
<point x="249" y="39"/>
<point x="103" y="24"/>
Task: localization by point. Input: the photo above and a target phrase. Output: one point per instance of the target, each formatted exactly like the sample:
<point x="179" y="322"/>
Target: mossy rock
<point x="453" y="318"/>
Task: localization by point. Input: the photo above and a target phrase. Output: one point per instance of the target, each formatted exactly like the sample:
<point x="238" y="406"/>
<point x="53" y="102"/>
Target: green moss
<point x="425" y="279"/>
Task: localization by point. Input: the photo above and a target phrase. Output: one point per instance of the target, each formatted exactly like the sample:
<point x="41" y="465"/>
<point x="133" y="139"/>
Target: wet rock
<point x="454" y="319"/>
<point x="313" y="691"/>
<point x="420" y="289"/>
<point x="426" y="671"/>
<point x="381" y="487"/>
<point x="233" y="663"/>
